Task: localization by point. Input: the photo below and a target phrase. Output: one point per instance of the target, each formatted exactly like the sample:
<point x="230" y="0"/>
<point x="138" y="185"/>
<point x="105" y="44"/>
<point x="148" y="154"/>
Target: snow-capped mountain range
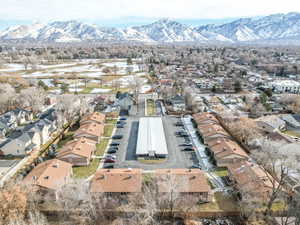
<point x="281" y="27"/>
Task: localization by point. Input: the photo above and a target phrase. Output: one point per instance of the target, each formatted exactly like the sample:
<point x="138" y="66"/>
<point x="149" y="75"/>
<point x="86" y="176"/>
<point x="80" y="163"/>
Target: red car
<point x="108" y="160"/>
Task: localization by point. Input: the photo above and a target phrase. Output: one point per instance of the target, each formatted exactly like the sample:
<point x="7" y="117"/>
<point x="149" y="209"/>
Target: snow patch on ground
<point x="99" y="90"/>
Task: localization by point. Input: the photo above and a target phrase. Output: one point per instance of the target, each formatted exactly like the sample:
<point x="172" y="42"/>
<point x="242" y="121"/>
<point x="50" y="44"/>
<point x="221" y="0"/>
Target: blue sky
<point x="136" y="12"/>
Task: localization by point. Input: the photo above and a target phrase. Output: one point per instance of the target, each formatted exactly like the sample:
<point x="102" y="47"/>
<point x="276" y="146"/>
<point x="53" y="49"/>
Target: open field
<point x="87" y="76"/>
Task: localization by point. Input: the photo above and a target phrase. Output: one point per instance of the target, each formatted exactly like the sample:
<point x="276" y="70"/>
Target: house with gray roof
<point x="290" y="120"/>
<point x="19" y="146"/>
<point x="271" y="123"/>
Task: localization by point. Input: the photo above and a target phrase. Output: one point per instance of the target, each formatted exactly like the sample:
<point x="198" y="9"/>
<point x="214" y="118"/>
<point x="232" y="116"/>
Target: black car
<point x="183" y="135"/>
<point x="113" y="148"/>
<point x="180" y="132"/>
<point x="187" y="145"/>
<point x="187" y="140"/>
<point x="111" y="151"/>
<point x="117" y="136"/>
<point x="121" y="122"/>
<point x="120" y="126"/>
<point x="108" y="166"/>
<point x="195" y="167"/>
<point x="178" y="124"/>
<point x="114" y="144"/>
<point x="187" y="149"/>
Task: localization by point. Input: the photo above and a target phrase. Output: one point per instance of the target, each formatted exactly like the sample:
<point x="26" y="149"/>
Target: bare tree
<point x="136" y="84"/>
<point x="245" y="130"/>
<point x="7" y="97"/>
<point x="277" y="169"/>
<point x="34" y="98"/>
<point x="85" y="106"/>
<point x="68" y="108"/>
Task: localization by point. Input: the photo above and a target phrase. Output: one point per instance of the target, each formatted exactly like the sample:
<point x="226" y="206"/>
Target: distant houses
<point x="178" y="103"/>
<point x="125" y="102"/>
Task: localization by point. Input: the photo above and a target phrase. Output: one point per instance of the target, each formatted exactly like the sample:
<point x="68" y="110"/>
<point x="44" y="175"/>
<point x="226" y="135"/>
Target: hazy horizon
<point x="119" y="13"/>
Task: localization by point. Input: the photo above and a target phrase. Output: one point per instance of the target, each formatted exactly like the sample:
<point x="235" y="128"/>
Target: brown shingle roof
<point x="117" y="180"/>
<point x="212" y="129"/>
<point x="81" y="147"/>
<point x="91" y="128"/>
<point x="224" y="147"/>
<point x="50" y="174"/>
<point x="205" y="118"/>
<point x="250" y="177"/>
<point x="181" y="180"/>
<point x="95" y="116"/>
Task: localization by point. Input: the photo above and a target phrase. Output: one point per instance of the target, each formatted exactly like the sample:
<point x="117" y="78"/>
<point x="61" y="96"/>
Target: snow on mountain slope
<point x="277" y="26"/>
<point x="166" y="30"/>
<point x="273" y="27"/>
<point x="22" y="31"/>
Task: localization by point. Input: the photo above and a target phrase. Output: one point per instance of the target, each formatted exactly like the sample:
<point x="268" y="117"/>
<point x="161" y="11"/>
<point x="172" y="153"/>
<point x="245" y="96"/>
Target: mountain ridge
<point x="272" y="27"/>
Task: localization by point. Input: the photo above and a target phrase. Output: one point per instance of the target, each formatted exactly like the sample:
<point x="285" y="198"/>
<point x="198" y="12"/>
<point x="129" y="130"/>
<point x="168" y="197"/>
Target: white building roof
<point x="151" y="137"/>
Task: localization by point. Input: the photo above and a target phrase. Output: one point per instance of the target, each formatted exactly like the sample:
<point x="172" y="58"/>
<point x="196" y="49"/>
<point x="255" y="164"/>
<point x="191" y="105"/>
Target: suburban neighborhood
<point x="189" y="135"/>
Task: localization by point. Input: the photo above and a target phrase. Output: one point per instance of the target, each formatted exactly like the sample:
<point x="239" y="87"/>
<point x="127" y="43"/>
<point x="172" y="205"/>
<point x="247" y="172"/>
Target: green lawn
<point x="100" y="148"/>
<point x="86" y="90"/>
<point x="292" y="133"/>
<point x="111" y="120"/>
<point x="86" y="171"/>
<point x="221" y="172"/>
<point x="108" y="129"/>
<point x="67" y="137"/>
<point x="220" y="203"/>
<point x="150" y="107"/>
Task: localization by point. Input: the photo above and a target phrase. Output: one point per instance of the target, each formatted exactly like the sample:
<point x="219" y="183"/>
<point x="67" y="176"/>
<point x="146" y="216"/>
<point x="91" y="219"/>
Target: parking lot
<point x="126" y="157"/>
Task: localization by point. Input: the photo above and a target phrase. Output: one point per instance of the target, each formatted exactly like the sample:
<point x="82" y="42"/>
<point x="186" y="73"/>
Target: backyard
<point x="151" y="107"/>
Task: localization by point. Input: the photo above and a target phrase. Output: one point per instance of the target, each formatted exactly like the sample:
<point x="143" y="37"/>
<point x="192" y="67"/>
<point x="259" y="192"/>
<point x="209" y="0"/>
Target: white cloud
<point x="107" y="9"/>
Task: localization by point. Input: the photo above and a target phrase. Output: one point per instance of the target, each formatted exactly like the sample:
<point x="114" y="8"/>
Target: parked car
<point x="111" y="151"/>
<point x="109" y="161"/>
<point x="117" y="136"/>
<point x="187" y="140"/>
<point x="187" y="149"/>
<point x="111" y="157"/>
<point x="120" y="122"/>
<point x="123" y="118"/>
<point x="120" y="126"/>
<point x="187" y="145"/>
<point x="180" y="132"/>
<point x="114" y="144"/>
<point x="195" y="167"/>
<point x="178" y="124"/>
<point x="113" y="148"/>
<point x="183" y="135"/>
<point x="108" y="166"/>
